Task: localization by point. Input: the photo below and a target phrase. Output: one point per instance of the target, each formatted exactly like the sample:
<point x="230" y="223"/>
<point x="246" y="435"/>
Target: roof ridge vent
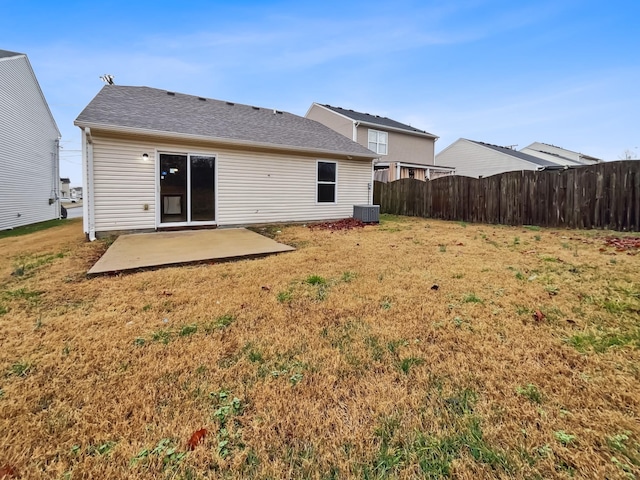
<point x="202" y="98"/>
<point x="173" y="94"/>
<point x="230" y="103"/>
<point x="256" y="108"/>
<point x="277" y="111"/>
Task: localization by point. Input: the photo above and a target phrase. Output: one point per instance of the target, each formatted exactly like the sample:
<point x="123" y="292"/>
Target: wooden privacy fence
<point x="604" y="196"/>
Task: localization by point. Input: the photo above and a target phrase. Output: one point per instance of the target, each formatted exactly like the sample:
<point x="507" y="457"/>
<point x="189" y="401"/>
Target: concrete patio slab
<point x="143" y="250"/>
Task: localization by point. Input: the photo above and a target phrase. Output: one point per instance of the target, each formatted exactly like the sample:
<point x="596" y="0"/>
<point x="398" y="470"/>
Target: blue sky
<point x="565" y="72"/>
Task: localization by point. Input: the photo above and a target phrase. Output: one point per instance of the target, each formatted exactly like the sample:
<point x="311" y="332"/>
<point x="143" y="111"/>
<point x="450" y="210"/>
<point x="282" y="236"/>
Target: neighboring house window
<point x="327" y="174"/>
<point x="378" y="142"/>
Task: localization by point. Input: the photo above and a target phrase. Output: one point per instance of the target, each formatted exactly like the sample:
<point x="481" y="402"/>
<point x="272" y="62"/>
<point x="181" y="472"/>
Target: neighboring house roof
<point x="562" y="154"/>
<point x="155" y="111"/>
<point x="7" y="53"/>
<point x="376" y="120"/>
<point x="65" y="180"/>
<point x="522" y="156"/>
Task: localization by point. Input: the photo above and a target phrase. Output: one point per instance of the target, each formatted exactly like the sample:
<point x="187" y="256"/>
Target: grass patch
<point x="187" y="330"/>
<point x="530" y="392"/>
<point x="285" y="296"/>
<point x="601" y="342"/>
<point x="564" y="438"/>
<point x="29" y="229"/>
<point x="368" y="375"/>
<point x="316" y="280"/>
<point x="220" y="323"/>
<point x="21" y="368"/>
<point x="471" y="298"/>
<point x="26" y="264"/>
<point x="430" y="455"/>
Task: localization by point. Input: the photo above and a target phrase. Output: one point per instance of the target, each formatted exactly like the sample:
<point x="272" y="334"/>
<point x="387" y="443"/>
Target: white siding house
<point x="29" y="140"/>
<point x="155" y="160"/>
<point x="477" y="159"/>
<point x="559" y="155"/>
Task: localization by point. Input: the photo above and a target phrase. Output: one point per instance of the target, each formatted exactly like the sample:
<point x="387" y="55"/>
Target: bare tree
<point x="628" y="154"/>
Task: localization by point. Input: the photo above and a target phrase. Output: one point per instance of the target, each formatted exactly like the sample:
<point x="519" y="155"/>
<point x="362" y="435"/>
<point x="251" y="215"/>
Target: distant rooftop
<point x="7" y="53"/>
<point x="376" y="120"/>
<point x="517" y="154"/>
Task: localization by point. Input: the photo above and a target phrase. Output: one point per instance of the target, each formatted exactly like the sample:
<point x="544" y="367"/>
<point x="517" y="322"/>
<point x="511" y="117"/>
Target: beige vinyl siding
<point x="252" y="187"/>
<point x="473" y="160"/>
<point x="28" y="150"/>
<point x="123" y="183"/>
<point x="401" y="147"/>
<point x="333" y="120"/>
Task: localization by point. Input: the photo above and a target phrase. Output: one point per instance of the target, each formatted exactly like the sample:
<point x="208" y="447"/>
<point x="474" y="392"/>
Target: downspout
<point x="355" y="131"/>
<point x="373" y="178"/>
<point x="88" y="210"/>
<point x="398" y="171"/>
<point x="56" y="178"/>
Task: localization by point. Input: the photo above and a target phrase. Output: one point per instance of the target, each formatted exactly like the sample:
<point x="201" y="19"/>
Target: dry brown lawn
<point x="338" y="360"/>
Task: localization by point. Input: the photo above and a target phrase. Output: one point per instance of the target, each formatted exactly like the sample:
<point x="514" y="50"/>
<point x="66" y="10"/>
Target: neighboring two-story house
<point x="29" y="141"/>
<point x="403" y="151"/>
<point x="65" y="188"/>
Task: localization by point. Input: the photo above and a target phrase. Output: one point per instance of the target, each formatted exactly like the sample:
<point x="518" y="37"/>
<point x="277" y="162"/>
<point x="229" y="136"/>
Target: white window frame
<point x="377" y="142"/>
<point x="318" y="182"/>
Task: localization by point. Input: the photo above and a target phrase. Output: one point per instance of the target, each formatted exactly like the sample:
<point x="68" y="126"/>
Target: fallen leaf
<point x="345" y="224"/>
<point x="538" y="315"/>
<point x="460" y="244"/>
<point x="572" y="322"/>
<point x="435" y="287"/>
<point x="166" y="294"/>
<point x="266" y="288"/>
<point x="196" y="438"/>
<point x="7" y="471"/>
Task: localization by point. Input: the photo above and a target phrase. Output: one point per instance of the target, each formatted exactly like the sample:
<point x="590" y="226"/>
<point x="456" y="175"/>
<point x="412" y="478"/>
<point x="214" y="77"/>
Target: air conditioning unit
<point x="367" y="213"/>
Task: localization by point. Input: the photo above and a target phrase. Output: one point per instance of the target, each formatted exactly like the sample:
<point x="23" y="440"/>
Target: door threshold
<point x="186" y="227"/>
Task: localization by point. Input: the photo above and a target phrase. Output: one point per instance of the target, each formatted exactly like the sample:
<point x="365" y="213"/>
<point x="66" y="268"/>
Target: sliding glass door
<point x="187" y="188"/>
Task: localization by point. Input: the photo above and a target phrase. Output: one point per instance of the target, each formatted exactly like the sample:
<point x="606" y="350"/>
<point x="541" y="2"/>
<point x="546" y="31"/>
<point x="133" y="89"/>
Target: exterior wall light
<point x="145" y="156"/>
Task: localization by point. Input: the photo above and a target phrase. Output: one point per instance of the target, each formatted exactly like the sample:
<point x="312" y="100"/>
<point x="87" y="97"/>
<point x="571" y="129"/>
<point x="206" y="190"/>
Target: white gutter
<point x="88" y="209"/>
<point x="220" y="140"/>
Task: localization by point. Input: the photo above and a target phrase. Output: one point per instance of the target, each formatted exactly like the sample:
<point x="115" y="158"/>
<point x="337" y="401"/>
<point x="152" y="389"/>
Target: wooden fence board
<point x="603" y="196"/>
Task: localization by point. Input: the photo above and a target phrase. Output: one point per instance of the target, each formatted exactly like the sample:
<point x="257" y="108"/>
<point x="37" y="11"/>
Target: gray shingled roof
<point x="7" y="53"/>
<point x="520" y="155"/>
<point x="375" y="120"/>
<point x="157" y="110"/>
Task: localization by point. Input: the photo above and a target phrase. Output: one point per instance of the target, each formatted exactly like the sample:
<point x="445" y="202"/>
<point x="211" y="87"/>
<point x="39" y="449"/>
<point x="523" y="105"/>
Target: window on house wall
<point x="327" y="181"/>
<point x="412" y="173"/>
<point x="378" y="142"/>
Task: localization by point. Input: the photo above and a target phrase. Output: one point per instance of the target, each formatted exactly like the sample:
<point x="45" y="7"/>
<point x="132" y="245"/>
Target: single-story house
<point x="156" y="159"/>
<point x="559" y="155"/>
<point x="477" y="159"/>
<point x="29" y="145"/>
<point x="404" y="151"/>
